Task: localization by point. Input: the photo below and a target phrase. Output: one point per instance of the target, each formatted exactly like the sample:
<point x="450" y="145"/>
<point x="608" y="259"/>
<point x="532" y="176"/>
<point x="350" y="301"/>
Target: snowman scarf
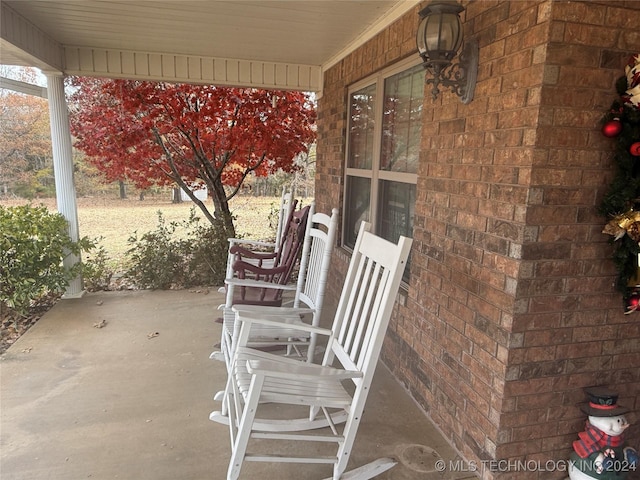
<point x="594" y="440"/>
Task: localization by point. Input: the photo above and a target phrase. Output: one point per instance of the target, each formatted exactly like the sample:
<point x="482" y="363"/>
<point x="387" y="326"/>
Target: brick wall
<point x="567" y="318"/>
<point x="511" y="309"/>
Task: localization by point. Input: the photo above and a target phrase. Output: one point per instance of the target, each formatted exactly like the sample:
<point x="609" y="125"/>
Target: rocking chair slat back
<point x="370" y="279"/>
<point x="316" y="257"/>
<point x="287" y="204"/>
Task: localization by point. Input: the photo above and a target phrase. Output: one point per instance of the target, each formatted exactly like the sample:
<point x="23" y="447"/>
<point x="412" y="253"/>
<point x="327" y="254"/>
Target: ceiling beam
<point x="23" y="87"/>
<point x="22" y="43"/>
<point x="192" y="69"/>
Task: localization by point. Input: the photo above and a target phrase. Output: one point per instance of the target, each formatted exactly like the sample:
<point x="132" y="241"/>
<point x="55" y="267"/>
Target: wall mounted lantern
<point x="439" y="39"/>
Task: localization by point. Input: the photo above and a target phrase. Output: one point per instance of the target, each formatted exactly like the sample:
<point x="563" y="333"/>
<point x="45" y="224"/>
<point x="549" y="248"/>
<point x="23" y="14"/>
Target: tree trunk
<point x="222" y="210"/>
<point x="123" y="189"/>
<point x="221" y="213"/>
<point x="176" y="195"/>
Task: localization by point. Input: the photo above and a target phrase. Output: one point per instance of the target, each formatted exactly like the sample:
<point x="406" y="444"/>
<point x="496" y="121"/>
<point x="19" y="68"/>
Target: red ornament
<point x="634" y="149"/>
<point x="633" y="303"/>
<point x="612" y="128"/>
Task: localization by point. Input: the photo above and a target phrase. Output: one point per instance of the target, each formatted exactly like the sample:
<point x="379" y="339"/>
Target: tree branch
<point x="176" y="177"/>
<point x="244" y="176"/>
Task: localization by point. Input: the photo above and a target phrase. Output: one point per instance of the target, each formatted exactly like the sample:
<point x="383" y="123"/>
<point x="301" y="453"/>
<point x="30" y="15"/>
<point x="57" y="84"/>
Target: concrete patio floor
<point x="131" y="400"/>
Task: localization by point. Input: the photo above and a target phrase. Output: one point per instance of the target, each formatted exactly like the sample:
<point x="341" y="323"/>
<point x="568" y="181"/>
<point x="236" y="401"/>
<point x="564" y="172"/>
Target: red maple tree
<point x="164" y="134"/>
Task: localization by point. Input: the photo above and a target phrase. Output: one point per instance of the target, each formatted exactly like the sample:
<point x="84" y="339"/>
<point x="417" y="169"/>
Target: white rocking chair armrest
<point x="299" y="370"/>
<point x="290" y="323"/>
<point x="247" y="282"/>
<point x="268" y="311"/>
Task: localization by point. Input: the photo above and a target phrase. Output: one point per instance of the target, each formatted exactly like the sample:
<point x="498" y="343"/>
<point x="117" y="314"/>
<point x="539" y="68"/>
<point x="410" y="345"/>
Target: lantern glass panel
<point x="420" y="37"/>
<point x="449" y="33"/>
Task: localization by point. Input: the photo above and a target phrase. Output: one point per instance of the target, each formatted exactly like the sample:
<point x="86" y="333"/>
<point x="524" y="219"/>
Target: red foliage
<point x="160" y="133"/>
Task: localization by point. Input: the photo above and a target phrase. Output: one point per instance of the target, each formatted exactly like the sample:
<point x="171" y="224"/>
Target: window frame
<point x="375" y="174"/>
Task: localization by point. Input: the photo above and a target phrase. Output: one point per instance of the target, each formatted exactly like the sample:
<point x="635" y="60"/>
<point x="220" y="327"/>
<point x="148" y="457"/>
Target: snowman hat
<point x="602" y="403"/>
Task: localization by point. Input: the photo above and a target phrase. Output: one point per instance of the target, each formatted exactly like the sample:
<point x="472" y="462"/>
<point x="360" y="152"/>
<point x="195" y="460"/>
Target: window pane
<point x="402" y="121"/>
<point x="361" y="124"/>
<point x="356" y="207"/>
<point x="397" y="202"/>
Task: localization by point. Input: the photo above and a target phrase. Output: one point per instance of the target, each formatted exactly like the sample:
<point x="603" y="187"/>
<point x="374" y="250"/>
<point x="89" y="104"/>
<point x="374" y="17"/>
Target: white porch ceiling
<point x="267" y="43"/>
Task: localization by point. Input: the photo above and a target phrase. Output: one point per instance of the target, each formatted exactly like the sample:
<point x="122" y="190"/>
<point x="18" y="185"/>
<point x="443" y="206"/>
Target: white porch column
<point x="63" y="170"/>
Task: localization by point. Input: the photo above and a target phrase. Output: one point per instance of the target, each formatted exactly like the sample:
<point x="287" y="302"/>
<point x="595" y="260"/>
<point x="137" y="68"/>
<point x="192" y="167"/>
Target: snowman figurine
<point x="600" y="451"/>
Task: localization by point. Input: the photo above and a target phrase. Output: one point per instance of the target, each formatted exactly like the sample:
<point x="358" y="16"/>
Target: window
<point x="383" y="147"/>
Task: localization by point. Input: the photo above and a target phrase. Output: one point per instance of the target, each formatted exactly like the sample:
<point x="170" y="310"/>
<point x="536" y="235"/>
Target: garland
<point x="621" y="204"/>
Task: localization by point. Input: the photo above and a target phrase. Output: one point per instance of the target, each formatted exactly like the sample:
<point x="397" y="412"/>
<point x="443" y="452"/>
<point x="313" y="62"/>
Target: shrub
<point x="96" y="272"/>
<point x="33" y="245"/>
<point x="162" y="259"/>
<point x="208" y="258"/>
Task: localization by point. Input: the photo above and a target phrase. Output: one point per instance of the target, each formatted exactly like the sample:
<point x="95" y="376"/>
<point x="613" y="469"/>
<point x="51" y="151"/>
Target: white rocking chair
<point x="260" y="381"/>
<point x="307" y="301"/>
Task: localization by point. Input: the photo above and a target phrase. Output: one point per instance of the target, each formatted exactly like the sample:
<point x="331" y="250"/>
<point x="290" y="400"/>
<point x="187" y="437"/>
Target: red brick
<point x="588" y="364"/>
<point x="517" y="449"/>
<point x="522" y="418"/>
<point x="629" y="40"/>
<point x="494" y="279"/>
<point x="556" y="268"/>
<point x="579" y="77"/>
<point x="530" y="432"/>
<point x="622" y="345"/>
<point x="626" y="360"/>
<point x="600" y="36"/>
<point x="508" y="193"/>
<point x="581" y="12"/>
<point x="570" y="97"/>
<point x="578" y="55"/>
<point x="513" y="156"/>
<point x="555" y="336"/>
<point x="580" y="350"/>
<point x="504" y="138"/>
<point x="530" y="38"/>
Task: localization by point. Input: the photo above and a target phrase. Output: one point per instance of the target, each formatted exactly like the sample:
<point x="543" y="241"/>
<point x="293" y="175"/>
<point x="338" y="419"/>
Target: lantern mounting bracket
<point x="459" y="77"/>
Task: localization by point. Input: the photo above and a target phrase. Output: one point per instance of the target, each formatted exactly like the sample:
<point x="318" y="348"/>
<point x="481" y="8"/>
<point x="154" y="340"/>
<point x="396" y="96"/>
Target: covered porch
<point x="120" y="385"/>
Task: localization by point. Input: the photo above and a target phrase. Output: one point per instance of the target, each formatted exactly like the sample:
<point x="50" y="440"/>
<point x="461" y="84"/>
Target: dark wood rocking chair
<point x="249" y="290"/>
